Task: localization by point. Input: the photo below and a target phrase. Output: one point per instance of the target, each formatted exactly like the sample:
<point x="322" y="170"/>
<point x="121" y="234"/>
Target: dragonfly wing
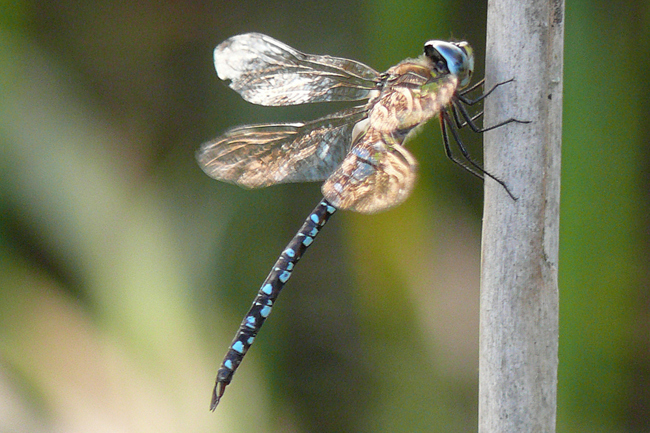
<point x="374" y="176"/>
<point x="265" y="71"/>
<point x="256" y="156"/>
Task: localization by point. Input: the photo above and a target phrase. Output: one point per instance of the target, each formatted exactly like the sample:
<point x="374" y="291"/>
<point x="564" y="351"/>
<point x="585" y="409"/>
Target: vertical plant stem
<point x="519" y="291"/>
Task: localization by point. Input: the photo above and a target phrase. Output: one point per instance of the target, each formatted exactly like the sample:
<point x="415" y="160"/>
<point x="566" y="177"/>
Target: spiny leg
<point x="469" y="101"/>
<point x="267" y="295"/>
<point x="461" y="123"/>
<point x="473" y="87"/>
<point x="473" y="167"/>
<point x="468" y="163"/>
<point x="469" y="120"/>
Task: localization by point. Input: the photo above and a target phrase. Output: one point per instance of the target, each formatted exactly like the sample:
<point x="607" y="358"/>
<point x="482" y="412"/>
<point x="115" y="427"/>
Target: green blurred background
<point x="125" y="271"/>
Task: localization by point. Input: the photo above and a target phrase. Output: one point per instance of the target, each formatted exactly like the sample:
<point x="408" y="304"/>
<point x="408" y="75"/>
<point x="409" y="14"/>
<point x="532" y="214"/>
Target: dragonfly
<point x="357" y="152"/>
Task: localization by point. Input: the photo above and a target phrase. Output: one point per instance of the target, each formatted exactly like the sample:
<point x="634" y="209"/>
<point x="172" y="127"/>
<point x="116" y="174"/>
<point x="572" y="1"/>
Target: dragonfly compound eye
<point x="458" y="57"/>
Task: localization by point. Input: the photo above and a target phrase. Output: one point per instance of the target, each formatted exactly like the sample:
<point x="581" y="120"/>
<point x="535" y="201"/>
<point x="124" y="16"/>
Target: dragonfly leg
<point x="468" y="163"/>
<point x="461" y="123"/>
<point x="473" y="87"/>
<point x="469" y="101"/>
<point x="267" y="296"/>
<point x="470" y="166"/>
<point x="469" y="120"/>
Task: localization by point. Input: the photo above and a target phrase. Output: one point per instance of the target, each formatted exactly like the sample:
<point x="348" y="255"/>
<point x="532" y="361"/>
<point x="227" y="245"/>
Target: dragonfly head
<point x="455" y="57"/>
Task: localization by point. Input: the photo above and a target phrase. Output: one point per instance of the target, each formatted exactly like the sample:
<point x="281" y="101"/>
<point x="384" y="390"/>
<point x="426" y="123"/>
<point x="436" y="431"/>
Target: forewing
<point x="265" y="71"/>
<point x="255" y="156"/>
<point x="374" y="176"/>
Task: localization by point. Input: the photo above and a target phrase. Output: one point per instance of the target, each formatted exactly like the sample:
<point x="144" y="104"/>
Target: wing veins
<point x="260" y="155"/>
<point x="267" y="72"/>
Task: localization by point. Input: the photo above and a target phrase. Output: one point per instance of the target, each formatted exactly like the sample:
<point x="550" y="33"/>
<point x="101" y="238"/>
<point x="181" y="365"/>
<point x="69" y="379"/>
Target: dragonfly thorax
<point x="415" y="95"/>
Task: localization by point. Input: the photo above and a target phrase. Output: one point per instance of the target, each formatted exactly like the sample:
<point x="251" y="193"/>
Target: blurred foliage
<point x="124" y="271"/>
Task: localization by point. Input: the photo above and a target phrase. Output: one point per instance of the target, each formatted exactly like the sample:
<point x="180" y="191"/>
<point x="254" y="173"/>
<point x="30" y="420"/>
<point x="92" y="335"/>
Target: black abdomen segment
<point x="267" y="295"/>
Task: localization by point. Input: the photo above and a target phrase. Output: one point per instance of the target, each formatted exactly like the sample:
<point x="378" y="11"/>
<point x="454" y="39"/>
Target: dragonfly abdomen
<point x="267" y="295"/>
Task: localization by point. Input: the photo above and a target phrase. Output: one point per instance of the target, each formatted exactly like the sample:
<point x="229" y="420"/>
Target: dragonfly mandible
<point x="358" y="152"/>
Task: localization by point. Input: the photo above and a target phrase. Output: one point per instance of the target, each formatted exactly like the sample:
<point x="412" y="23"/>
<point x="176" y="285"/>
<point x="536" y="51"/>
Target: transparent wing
<point x="374" y="176"/>
<point x="265" y="71"/>
<point x="255" y="156"/>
